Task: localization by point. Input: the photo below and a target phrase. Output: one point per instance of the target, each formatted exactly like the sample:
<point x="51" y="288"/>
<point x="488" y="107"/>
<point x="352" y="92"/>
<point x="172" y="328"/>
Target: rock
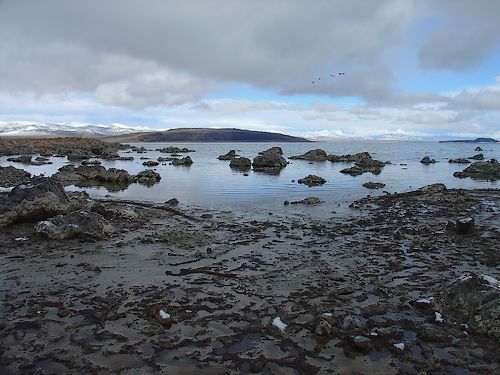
<point x="361" y="343"/>
<point x="269" y="160"/>
<point x="286" y="203"/>
<point x="308" y="201"/>
<point x="240" y="163"/>
<point x="364" y="163"/>
<point x="312" y="155"/>
<point x="25" y="159"/>
<point x="433" y="188"/>
<point x="348" y="158"/>
<point x="11" y="176"/>
<point x="91" y="162"/>
<point x="38" y="199"/>
<point x="81" y="224"/>
<point x="184" y="161"/>
<point x="77" y="156"/>
<point x="459" y="161"/>
<point x="172" y="202"/>
<point x="150" y="163"/>
<point x="174" y="150"/>
<point x="229" y="156"/>
<point x="472" y="299"/>
<point x="481" y="170"/>
<point x="312" y="180"/>
<point x="464" y="225"/>
<point x="162" y="159"/>
<point x="90" y="175"/>
<point x="324" y="328"/>
<point x="139" y="150"/>
<point x="477" y="157"/>
<point x="41" y="158"/>
<point x="427" y="160"/>
<point x="351" y="322"/>
<point x="478" y="149"/>
<point x="373" y="185"/>
<point x="148" y="177"/>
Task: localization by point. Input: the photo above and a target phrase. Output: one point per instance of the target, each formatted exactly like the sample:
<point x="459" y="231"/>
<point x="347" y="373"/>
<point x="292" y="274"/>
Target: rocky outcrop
<point x="184" y="161"/>
<point x="373" y="185"/>
<point x="38" y="199"/>
<point x="459" y="161"/>
<point x="11" y="176"/>
<point x="79" y="224"/>
<point x="472" y="299"/>
<point x="240" y="163"/>
<point x="312" y="155"/>
<point x="174" y="150"/>
<point x="432" y="188"/>
<point x="478" y="149"/>
<point x="348" y="158"/>
<point x="271" y="160"/>
<point x="148" y="177"/>
<point x="312" y="180"/>
<point x="365" y="163"/>
<point x="427" y="160"/>
<point x="479" y="156"/>
<point x="481" y="170"/>
<point x="25" y="159"/>
<point x="150" y="163"/>
<point x="229" y="156"/>
<point x="90" y="175"/>
<point x="310" y="201"/>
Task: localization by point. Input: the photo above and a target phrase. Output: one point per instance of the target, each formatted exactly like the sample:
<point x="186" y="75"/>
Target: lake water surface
<point x="211" y="183"/>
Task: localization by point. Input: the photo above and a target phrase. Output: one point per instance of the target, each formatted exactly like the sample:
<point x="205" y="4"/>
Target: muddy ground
<point x="94" y="307"/>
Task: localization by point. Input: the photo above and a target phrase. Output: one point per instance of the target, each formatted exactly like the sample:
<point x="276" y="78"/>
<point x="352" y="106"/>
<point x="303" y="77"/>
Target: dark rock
<point x="172" y="202"/>
<point x="459" y="161"/>
<point x="91" y="162"/>
<point x="38" y="199"/>
<point x="240" y="163"/>
<point x="90" y="175"/>
<point x="355" y="322"/>
<point x="478" y="149"/>
<point x="148" y="177"/>
<point x="150" y="163"/>
<point x="174" y="150"/>
<point x="229" y="156"/>
<point x="433" y="188"/>
<point x="77" y="156"/>
<point x="373" y="185"/>
<point x="427" y="160"/>
<point x="25" y="159"/>
<point x="361" y="343"/>
<point x="308" y="201"/>
<point x="312" y="180"/>
<point x="81" y="224"/>
<point x="477" y="157"/>
<point x="11" y="176"/>
<point x="312" y="155"/>
<point x="324" y="328"/>
<point x="472" y="299"/>
<point x="464" y="225"/>
<point x="184" y="161"/>
<point x="348" y="157"/>
<point x="481" y="170"/>
<point x="162" y="159"/>
<point x="364" y="163"/>
<point x="269" y="160"/>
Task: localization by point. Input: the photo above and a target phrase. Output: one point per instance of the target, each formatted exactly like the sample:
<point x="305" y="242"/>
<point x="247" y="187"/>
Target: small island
<point x="477" y="140"/>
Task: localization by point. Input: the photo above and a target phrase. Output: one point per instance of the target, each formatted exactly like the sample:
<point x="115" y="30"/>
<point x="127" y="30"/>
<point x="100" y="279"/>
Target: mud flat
<point x="191" y="291"/>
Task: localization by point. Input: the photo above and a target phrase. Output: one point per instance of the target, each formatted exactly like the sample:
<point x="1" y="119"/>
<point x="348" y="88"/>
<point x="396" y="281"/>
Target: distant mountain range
<point x="477" y="140"/>
<point x="206" y="135"/>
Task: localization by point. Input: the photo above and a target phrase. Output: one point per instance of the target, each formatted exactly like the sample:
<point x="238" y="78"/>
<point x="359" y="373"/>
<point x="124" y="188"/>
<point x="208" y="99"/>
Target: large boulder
<point x="11" y="176"/>
<point x="40" y="198"/>
<point x="481" y="170"/>
<point x="229" y="156"/>
<point x="270" y="160"/>
<point x="427" y="160"/>
<point x="184" y="161"/>
<point x="365" y="163"/>
<point x="81" y="224"/>
<point x="472" y="299"/>
<point x="312" y="180"/>
<point x="312" y="155"/>
<point x="240" y="163"/>
<point x="148" y="177"/>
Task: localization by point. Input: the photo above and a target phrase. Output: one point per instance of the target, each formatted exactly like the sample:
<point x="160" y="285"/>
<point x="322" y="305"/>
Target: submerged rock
<point x="229" y="156"/>
<point x="11" y="176"/>
<point x="269" y="160"/>
<point x="240" y="163"/>
<point x="148" y="177"/>
<point x="25" y="159"/>
<point x="308" y="201"/>
<point x="312" y="180"/>
<point x="427" y="160"/>
<point x="481" y="170"/>
<point x="459" y="161"/>
<point x="472" y="299"/>
<point x="38" y="199"/>
<point x="477" y="157"/>
<point x="312" y="155"/>
<point x="82" y="224"/>
<point x="184" y="161"/>
<point x="373" y="185"/>
<point x="174" y="150"/>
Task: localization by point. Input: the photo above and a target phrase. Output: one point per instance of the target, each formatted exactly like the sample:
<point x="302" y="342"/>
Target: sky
<point x="413" y="68"/>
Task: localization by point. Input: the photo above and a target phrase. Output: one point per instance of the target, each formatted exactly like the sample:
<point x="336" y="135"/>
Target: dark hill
<point x="477" y="140"/>
<point x="206" y="135"/>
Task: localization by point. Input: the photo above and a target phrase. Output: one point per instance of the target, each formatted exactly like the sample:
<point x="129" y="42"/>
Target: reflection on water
<point x="210" y="182"/>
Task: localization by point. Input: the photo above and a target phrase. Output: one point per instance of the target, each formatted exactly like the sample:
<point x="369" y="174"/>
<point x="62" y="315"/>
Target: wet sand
<point x="94" y="307"/>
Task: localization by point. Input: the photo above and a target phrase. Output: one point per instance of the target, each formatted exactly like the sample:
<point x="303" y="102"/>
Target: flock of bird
<point x="331" y="76"/>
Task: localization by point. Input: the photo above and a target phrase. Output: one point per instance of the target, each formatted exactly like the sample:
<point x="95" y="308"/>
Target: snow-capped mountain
<point x="36" y="129"/>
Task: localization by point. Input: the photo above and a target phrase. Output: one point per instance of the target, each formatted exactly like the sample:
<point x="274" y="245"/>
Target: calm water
<point x="211" y="183"/>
